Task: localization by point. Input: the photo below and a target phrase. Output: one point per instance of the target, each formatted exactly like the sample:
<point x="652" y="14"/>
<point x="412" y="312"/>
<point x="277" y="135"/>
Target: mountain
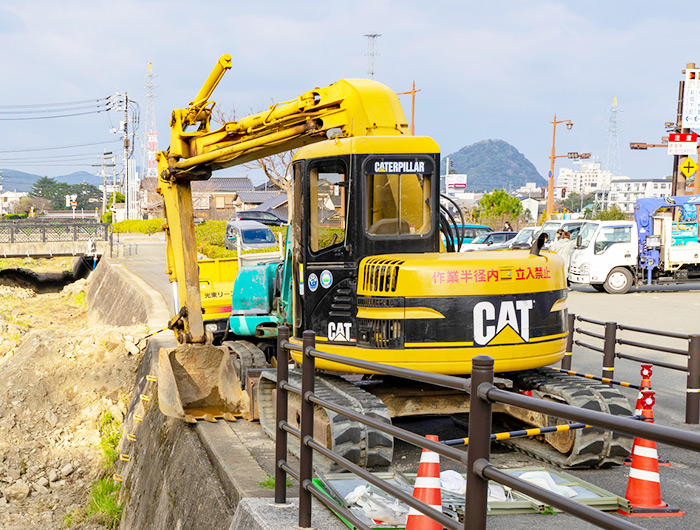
<point x="13" y="180"/>
<point x="494" y="164"/>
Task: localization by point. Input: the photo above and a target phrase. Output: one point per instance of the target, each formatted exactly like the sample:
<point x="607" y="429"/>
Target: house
<point x="278" y="205"/>
<point x="213" y="199"/>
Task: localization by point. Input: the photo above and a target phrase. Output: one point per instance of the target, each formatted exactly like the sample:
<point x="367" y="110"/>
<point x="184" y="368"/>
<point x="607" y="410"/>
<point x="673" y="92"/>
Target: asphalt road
<point x="666" y="308"/>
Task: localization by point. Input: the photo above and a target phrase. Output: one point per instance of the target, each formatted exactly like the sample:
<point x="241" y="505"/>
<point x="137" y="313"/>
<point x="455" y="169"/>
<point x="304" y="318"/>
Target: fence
<point x="611" y="340"/>
<point x="58" y="231"/>
<point x="478" y="469"/>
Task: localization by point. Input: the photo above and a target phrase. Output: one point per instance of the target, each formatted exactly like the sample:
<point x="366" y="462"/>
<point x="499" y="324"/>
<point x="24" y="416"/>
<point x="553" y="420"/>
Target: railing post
<point x="479" y="444"/>
<point x="692" y="398"/>
<point x="609" y="349"/>
<point x="306" y="454"/>
<point x="282" y="401"/>
<point x="566" y="361"/>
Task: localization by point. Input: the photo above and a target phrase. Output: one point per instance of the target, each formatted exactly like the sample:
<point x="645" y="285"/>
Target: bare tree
<point x="39" y="204"/>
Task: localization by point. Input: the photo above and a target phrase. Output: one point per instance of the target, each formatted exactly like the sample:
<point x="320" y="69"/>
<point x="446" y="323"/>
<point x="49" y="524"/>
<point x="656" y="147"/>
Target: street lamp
<point x="550" y="180"/>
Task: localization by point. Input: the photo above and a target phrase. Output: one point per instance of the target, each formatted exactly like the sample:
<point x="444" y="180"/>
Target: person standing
<point x="507" y="227"/>
<point x="563" y="246"/>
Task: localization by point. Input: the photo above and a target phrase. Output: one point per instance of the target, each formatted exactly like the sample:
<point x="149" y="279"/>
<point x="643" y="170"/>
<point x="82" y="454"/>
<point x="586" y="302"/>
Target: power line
<point x="57" y="116"/>
<point x="63" y="104"/>
<point x="57" y="147"/>
<point x="75" y="156"/>
<point x="44" y="111"/>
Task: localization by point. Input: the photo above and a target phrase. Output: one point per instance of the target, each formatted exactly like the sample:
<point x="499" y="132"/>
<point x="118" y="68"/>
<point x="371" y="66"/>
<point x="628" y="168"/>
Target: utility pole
<point x="126" y="155"/>
<point x="413" y="106"/>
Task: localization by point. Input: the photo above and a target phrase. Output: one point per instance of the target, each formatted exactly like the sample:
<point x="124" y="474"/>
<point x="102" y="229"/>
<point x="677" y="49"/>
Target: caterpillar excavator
<point x="370" y="267"/>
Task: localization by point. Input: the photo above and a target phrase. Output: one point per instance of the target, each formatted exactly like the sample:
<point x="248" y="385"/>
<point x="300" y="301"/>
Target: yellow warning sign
<point x="688" y="166"/>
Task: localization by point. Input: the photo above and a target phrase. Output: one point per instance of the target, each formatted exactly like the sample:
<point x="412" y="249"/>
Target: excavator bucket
<point x="198" y="381"/>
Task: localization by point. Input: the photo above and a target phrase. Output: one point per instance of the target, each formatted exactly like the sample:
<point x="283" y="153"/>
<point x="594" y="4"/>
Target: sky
<point x="485" y="70"/>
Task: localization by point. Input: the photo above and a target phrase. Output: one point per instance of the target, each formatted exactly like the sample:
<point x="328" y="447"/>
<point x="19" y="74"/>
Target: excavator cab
<point x="354" y="199"/>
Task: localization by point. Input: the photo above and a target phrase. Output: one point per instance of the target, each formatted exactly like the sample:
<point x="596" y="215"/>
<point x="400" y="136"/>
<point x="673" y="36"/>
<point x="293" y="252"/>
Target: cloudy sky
<point x="498" y="69"/>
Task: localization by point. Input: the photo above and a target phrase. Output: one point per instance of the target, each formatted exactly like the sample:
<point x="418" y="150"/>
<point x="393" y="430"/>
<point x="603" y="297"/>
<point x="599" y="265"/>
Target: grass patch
<point x="79" y="299"/>
<point x="103" y="506"/>
<point x="269" y="483"/>
<point x="142" y="226"/>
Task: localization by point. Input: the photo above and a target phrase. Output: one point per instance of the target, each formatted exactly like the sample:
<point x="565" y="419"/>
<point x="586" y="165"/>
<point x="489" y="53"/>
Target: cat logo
<point x="339" y="331"/>
<point x="508" y="322"/>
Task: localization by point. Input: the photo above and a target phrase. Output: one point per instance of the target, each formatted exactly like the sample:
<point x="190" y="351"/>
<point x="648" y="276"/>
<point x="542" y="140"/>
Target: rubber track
<point x="592" y="447"/>
<point x="362" y="445"/>
<point x="247" y="356"/>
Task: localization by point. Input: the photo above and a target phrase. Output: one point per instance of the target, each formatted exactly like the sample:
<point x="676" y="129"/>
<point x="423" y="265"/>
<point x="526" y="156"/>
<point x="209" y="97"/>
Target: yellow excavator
<point x="370" y="267"/>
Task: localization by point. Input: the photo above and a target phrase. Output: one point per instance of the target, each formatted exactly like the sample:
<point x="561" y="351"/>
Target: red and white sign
<point x="683" y="144"/>
<point x="74" y="204"/>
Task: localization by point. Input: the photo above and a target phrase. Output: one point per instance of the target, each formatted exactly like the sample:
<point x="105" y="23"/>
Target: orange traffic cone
<point x="643" y="486"/>
<point x="646" y="373"/>
<point x="645" y="385"/>
<point x="427" y="490"/>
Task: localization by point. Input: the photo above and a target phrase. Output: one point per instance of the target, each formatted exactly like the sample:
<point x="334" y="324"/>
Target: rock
<point x="53" y="475"/>
<point x="43" y="481"/>
<point x="17" y="492"/>
<point x="39" y="488"/>
<point x="131" y="348"/>
<point x="67" y="470"/>
<point x="14" y="473"/>
<point x="51" y="418"/>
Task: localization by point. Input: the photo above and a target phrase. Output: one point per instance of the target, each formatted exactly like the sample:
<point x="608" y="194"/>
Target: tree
<point x="88" y="196"/>
<point x="611" y="214"/>
<point x="39" y="204"/>
<point x="575" y="202"/>
<point x="52" y="190"/>
<point x="500" y="204"/>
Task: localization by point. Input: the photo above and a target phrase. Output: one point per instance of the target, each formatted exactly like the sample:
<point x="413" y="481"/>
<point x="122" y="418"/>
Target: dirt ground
<point x="57" y="378"/>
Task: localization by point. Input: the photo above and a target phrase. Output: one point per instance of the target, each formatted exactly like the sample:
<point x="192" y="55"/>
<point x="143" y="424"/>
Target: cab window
<point x="610" y="235"/>
<point x="397" y="204"/>
<point x="328" y="204"/>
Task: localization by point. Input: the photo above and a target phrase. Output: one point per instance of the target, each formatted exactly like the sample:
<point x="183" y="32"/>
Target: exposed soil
<point x="57" y="377"/>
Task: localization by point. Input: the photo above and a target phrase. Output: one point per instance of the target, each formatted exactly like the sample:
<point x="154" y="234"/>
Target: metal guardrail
<point x="51" y="232"/>
<point x="478" y="468"/>
<point x="609" y="349"/>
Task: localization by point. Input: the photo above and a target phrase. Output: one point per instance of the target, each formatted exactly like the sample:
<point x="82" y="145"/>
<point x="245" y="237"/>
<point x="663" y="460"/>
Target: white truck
<point x="613" y="256"/>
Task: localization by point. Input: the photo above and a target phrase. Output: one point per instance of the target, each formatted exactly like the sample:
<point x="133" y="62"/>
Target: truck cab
<point x="605" y="256"/>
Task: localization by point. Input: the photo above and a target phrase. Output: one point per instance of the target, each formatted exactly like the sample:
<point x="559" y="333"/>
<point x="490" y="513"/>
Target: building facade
<point x="586" y="179"/>
<point x="624" y="193"/>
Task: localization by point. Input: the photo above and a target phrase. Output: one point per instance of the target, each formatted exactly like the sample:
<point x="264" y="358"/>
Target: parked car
<point x="250" y="234"/>
<point x="469" y="232"/>
<point x="551" y="227"/>
<point x="267" y="218"/>
<point x="523" y="239"/>
<point x="487" y="240"/>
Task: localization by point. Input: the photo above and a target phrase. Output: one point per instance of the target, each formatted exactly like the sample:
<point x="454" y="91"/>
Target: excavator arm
<point x="346" y="108"/>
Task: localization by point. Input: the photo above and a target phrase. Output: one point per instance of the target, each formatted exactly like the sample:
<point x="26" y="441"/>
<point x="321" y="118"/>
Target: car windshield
<point x="257" y="235"/>
<point x="586" y="234"/>
<point x="523" y="236"/>
<point x="481" y="239"/>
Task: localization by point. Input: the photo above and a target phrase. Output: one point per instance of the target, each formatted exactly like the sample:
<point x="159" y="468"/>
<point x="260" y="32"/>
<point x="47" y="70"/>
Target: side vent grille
<point x="381" y="275"/>
<point x="380" y="333"/>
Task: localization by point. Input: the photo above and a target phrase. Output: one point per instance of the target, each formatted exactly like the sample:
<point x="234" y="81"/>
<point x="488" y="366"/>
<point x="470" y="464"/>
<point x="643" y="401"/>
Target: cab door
<point x="327" y="277"/>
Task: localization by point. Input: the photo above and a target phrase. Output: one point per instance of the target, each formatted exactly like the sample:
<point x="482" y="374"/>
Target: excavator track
<point x="246" y="356"/>
<point x="359" y="443"/>
<point x="590" y="447"/>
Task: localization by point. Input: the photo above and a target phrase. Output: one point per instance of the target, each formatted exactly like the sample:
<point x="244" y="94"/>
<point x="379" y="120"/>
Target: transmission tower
<point x="612" y="160"/>
<point x="372" y="53"/>
<point x="149" y="143"/>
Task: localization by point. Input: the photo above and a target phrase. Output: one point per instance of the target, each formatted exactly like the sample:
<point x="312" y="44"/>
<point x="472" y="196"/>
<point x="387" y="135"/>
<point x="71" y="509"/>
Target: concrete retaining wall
<point x="175" y="475"/>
